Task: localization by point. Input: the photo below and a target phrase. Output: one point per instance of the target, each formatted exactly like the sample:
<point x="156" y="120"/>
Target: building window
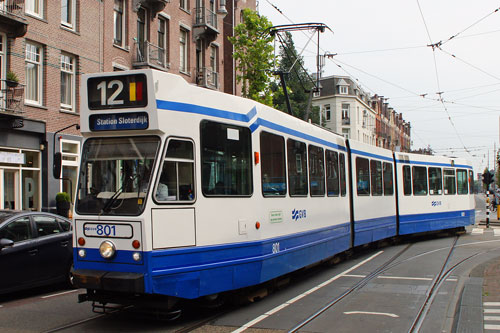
<point x="272" y="150"/>
<point x="163" y="41"/>
<point x="213" y="65"/>
<point x="346" y="133"/>
<point x="34" y="7"/>
<point x="70" y="151"/>
<point x="183" y="51"/>
<point x="345" y="111"/>
<point x="327" y="112"/>
<point x="68" y="13"/>
<point x="34" y="58"/>
<point x="184" y="4"/>
<point x="343" y="90"/>
<point x="68" y="82"/>
<point x="119" y="26"/>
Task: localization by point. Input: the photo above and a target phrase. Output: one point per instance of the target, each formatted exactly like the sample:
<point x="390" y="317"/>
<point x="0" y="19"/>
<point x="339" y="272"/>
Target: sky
<point x="450" y="94"/>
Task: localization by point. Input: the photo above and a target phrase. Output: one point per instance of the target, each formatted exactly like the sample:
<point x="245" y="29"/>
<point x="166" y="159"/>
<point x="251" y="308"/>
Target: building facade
<point x="48" y="45"/>
<point x="350" y="111"/>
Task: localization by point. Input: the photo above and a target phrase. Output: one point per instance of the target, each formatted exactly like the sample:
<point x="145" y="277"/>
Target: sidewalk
<point x="479" y="305"/>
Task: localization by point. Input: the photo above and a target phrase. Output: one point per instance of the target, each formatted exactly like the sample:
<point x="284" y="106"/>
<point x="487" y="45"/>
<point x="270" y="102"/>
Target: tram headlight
<point x="107" y="249"/>
<point x="136" y="256"/>
<point x="82" y="253"/>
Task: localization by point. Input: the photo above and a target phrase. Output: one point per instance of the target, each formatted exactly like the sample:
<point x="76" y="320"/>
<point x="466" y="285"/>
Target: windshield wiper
<point x="112" y="200"/>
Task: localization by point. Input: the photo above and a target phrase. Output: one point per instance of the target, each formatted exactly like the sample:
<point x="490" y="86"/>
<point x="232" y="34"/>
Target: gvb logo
<point x="298" y="214"/>
<point x="436" y="203"/>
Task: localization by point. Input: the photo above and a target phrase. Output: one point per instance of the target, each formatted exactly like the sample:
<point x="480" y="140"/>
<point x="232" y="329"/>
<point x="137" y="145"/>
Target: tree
<point x="298" y="81"/>
<point x="253" y="52"/>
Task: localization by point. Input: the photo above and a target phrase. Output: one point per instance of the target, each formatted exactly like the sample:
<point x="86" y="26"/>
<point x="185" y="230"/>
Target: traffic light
<point x="488" y="178"/>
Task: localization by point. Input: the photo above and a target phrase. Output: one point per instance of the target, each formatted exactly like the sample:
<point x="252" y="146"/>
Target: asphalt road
<point x="388" y="302"/>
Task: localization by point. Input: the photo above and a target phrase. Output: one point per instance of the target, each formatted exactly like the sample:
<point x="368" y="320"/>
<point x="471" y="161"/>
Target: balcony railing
<point x="204" y="16"/>
<point x="148" y="54"/>
<point x="12" y="7"/>
<point x="346" y="121"/>
<point x="11" y="98"/>
<point x="207" y="78"/>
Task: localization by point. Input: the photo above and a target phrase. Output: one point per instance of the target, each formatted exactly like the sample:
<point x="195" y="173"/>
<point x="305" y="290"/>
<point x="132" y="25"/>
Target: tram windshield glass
<point x="115" y="175"/>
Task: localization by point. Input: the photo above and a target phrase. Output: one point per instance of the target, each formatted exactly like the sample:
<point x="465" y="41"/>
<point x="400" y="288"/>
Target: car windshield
<point x="115" y="175"/>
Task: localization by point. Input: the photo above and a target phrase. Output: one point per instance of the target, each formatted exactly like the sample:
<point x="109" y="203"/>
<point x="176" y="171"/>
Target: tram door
<point x="175" y="192"/>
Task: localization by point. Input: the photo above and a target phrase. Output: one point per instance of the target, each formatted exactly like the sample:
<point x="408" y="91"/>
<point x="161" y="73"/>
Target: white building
<point x="345" y="109"/>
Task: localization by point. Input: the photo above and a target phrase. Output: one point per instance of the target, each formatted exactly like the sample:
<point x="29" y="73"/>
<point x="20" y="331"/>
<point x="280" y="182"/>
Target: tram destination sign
<point x="119" y="121"/>
<point x="117" y="92"/>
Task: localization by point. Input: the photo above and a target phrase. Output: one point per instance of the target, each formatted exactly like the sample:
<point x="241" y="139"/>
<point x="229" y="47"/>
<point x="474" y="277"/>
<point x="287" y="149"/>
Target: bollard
<point x="487" y="209"/>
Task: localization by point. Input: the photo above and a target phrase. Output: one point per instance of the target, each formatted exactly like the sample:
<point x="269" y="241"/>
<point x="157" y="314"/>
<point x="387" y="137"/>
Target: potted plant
<point x="12" y="79"/>
<point x="63" y="203"/>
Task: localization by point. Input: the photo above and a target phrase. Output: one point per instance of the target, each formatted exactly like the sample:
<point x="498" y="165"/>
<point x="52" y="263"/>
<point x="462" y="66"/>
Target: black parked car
<point x="35" y="249"/>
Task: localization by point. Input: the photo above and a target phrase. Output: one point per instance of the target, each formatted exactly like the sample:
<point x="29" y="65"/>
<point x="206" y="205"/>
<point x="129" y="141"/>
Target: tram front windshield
<point x="115" y="175"/>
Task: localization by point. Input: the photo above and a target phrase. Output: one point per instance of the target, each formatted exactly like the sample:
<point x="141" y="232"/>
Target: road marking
<point x="492" y="318"/>
<point x="293" y="300"/>
<point x="496" y="232"/>
<point x="491" y="310"/>
<point x="1" y="306"/>
<point x="491" y="303"/>
<point x="491" y="327"/>
<point x="399" y="277"/>
<point x="477" y="231"/>
<point x="58" y="294"/>
<point x="373" y="313"/>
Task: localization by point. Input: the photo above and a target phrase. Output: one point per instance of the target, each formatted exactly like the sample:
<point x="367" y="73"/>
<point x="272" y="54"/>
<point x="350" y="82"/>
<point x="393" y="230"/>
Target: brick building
<point x="49" y="44"/>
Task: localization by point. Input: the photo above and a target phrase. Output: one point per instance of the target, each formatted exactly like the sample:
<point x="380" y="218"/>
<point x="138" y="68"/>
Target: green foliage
<point x="62" y="197"/>
<point x="298" y="83"/>
<point x="11" y="76"/>
<point x="253" y="52"/>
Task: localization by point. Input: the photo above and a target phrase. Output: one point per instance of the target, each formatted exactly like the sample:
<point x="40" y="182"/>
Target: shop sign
<point x="12" y="158"/>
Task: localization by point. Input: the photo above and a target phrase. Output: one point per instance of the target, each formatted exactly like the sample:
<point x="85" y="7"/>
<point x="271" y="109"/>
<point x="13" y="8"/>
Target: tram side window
<point x="316" y="171"/>
<point x="363" y="176"/>
<point x="297" y="167"/>
<point x="332" y="173"/>
<point x="343" y="183"/>
<point x="435" y="181"/>
<point x="406" y="180"/>
<point x="471" y="181"/>
<point x="176" y="181"/>
<point x="272" y="150"/>
<point x="226" y="160"/>
<point x="419" y="180"/>
<point x="376" y="177"/>
<point x="388" y="179"/>
<point x="449" y="182"/>
<point x="462" y="181"/>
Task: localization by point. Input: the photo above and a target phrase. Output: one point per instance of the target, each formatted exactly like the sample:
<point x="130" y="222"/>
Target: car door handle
<point x="33" y="252"/>
<point x="64" y="243"/>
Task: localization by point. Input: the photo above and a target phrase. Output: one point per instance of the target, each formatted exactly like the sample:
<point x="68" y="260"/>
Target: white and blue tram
<point x="187" y="192"/>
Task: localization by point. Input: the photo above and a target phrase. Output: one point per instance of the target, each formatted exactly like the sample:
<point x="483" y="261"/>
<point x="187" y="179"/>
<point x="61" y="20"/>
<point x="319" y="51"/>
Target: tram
<point x="186" y="192"/>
